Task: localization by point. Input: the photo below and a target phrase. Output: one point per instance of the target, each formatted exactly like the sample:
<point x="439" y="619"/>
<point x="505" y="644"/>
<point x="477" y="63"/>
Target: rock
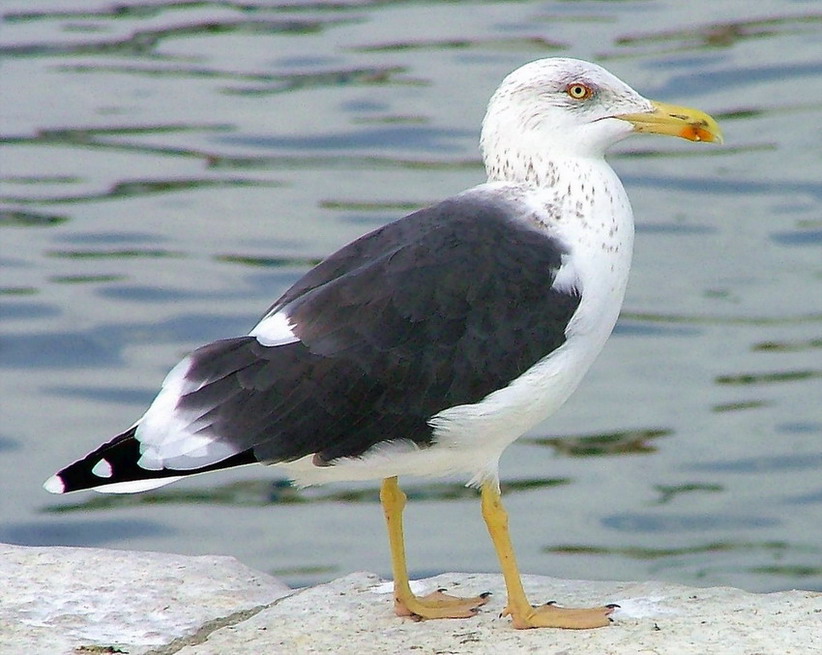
<point x="72" y="600"/>
<point x="58" y="600"/>
<point x="353" y="615"/>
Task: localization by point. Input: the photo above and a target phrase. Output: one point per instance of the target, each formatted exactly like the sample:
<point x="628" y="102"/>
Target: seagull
<point x="429" y="345"/>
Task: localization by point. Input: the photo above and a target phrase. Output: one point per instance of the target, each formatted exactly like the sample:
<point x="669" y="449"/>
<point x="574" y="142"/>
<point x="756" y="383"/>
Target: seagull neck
<point x="539" y="169"/>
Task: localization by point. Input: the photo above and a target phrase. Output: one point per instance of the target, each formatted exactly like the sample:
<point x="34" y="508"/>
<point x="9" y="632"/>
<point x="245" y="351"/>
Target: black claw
<point x="485" y="594"/>
<point x="442" y="590"/>
<point x="613" y="606"/>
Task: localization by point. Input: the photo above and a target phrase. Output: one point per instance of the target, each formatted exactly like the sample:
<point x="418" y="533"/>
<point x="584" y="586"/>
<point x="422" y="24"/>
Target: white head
<point x="560" y="108"/>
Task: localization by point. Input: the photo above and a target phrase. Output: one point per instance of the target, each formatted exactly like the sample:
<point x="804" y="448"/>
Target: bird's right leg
<point x="437" y="605"/>
<point x="525" y="615"/>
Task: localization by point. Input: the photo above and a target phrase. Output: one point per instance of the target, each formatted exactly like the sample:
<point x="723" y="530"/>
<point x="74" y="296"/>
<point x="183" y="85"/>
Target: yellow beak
<point x="673" y="120"/>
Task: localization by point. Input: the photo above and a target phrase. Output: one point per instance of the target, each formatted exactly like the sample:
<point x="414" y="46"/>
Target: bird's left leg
<point x="433" y="606"/>
<point x="522" y="613"/>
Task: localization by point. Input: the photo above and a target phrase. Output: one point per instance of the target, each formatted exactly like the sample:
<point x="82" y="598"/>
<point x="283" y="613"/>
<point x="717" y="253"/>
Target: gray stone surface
<point x="56" y="600"/>
<point x="353" y="615"/>
<point x="84" y="601"/>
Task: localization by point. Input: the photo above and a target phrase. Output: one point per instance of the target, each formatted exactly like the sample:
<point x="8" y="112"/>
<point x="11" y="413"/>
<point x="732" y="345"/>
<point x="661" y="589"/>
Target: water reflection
<point x="724" y="34"/>
<point x="124" y="113"/>
<point x="768" y="378"/>
<point x="102" y="346"/>
<point x="10" y="310"/>
<point x="136" y="188"/>
<point x="798" y="238"/>
<point x="8" y="444"/>
<point x="269" y="262"/>
<point x="116" y="253"/>
<point x="408" y="138"/>
<point x="22" y="218"/>
<point x="740" y="405"/>
<point x="627" y="442"/>
<point x="640" y="553"/>
<point x="787" y="346"/>
<point x="94" y="532"/>
<point x="671" y="523"/>
<point x="667" y="493"/>
<point x="808" y="461"/>
<point x="145" y="41"/>
<point x="257" y="493"/>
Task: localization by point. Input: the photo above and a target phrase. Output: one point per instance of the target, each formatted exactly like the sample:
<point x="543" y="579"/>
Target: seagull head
<point x="567" y="108"/>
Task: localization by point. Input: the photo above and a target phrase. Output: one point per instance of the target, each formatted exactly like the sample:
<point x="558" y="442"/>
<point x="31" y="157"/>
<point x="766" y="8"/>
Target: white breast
<point x="469" y="439"/>
<point x="596" y="222"/>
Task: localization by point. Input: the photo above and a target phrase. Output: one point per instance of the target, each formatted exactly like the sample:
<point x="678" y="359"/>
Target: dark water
<point x="168" y="168"/>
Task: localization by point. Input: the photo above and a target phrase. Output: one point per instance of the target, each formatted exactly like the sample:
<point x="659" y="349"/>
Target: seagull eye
<point x="579" y="91"/>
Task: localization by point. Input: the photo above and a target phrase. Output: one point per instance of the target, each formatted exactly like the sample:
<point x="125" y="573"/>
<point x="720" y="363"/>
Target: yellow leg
<point x="434" y="606"/>
<point x="522" y="613"/>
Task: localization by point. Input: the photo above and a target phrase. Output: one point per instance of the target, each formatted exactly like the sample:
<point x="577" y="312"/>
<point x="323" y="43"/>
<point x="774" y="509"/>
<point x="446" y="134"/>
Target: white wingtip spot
<point x="102" y="469"/>
<point x="54" y="485"/>
<point x="275" y="330"/>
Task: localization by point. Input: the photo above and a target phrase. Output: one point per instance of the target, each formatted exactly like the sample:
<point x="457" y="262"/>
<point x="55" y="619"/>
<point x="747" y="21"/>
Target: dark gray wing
<point x="438" y="309"/>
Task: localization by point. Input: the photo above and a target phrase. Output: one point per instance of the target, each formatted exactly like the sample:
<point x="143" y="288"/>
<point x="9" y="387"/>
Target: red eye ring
<point x="579" y="91"/>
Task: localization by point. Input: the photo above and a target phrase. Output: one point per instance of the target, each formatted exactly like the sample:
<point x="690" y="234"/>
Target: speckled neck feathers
<point x="534" y="125"/>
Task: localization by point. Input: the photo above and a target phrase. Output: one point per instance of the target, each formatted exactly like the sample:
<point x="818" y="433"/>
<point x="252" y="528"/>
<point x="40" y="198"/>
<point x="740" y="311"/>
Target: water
<point x="169" y="168"/>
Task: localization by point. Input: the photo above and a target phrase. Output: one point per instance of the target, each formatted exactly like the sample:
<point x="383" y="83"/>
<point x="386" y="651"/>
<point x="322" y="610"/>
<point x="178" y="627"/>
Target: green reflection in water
<point x="269" y="262"/>
<point x="527" y="42"/>
<point x="17" y="218"/>
<point x="105" y="139"/>
<point x="640" y="553"/>
<point x="668" y="493"/>
<point x="767" y="378"/>
<point x="787" y="346"/>
<point x="392" y="119"/>
<point x="788" y="570"/>
<point x="127" y="253"/>
<point x="702" y="319"/>
<point x="261" y="493"/>
<point x="18" y="291"/>
<point x="86" y="279"/>
<point x="266" y="83"/>
<point x="141" y="42"/>
<point x="85" y="135"/>
<point x="349" y="77"/>
<point x="745" y="404"/>
<point x="44" y="179"/>
<point x="368" y="205"/>
<point x="724" y="34"/>
<point x="342" y="162"/>
<point x="627" y="442"/>
<point x="134" y="188"/>
<point x="113" y="11"/>
<point x="303" y="570"/>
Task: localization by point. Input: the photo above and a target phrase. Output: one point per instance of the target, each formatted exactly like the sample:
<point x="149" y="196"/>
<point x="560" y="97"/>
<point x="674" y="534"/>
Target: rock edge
<point x="87" y="601"/>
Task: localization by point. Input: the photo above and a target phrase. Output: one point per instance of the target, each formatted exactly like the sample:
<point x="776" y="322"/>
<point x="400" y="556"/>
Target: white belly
<point x="469" y="439"/>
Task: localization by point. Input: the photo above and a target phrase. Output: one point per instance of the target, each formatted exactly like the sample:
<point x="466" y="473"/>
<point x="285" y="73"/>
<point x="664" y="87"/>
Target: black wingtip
<point x="117" y="463"/>
<point x="98" y="467"/>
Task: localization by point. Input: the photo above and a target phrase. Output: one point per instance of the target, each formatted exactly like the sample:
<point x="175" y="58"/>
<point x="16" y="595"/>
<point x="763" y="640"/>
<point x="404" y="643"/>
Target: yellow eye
<point x="579" y="91"/>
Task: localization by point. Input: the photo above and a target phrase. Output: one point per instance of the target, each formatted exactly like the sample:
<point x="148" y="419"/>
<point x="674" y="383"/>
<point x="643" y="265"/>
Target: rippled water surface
<point x="169" y="168"/>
